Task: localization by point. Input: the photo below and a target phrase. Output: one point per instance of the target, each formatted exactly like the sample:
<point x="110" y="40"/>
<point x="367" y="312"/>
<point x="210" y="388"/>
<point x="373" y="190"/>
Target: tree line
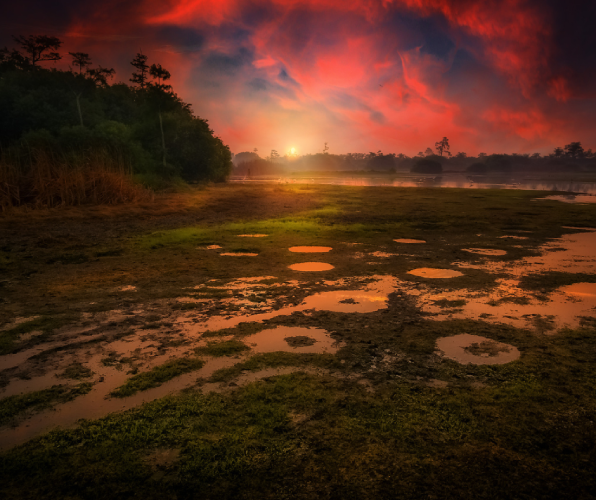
<point x="571" y="158"/>
<point x="80" y="111"/>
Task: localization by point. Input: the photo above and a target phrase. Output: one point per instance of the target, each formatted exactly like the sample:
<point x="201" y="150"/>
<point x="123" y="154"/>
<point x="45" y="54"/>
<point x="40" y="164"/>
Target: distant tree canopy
<point x="381" y="162"/>
<point x="66" y="111"/>
<point x="427" y="166"/>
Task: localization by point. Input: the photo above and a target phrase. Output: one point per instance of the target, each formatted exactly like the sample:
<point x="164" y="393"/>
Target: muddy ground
<point x="205" y="365"/>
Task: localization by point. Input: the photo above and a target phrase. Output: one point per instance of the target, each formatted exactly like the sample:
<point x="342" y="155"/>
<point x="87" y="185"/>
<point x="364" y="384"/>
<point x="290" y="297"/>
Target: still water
<point x="532" y="183"/>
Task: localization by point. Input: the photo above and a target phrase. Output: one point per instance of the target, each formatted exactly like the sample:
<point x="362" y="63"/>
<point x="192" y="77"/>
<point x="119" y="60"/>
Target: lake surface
<point x="443" y="181"/>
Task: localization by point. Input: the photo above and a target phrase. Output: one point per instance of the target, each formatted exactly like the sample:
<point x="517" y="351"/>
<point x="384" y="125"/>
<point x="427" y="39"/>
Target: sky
<point x="494" y="76"/>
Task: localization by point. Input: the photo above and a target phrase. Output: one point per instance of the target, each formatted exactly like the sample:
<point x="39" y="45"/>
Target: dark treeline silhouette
<point x="570" y="159"/>
<point x="75" y="118"/>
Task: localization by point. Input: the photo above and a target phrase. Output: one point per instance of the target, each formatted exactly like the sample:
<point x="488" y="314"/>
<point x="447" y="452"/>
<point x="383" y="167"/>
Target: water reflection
<point x="457" y="180"/>
<point x="429" y="272"/>
<point x="406" y="240"/>
<point x="311" y="267"/>
<point x="485" y="251"/>
<point x="292" y="339"/>
<point x="477" y="350"/>
<point x="311" y="249"/>
<point x="582" y="198"/>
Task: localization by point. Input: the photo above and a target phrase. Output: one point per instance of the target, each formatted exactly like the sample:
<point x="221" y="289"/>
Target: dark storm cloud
<point x="180" y="38"/>
<point x="229" y="64"/>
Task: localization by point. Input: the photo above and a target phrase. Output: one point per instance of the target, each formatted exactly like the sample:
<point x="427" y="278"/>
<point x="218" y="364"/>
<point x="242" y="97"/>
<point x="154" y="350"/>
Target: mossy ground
<point x="373" y="422"/>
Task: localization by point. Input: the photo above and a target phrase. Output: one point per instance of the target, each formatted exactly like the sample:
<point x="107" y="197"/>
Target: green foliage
<point x="157" y="376"/>
<point x="43" y="109"/>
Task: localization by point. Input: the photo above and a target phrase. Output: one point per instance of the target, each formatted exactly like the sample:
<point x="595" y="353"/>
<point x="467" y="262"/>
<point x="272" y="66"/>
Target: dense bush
<point x="427" y="166"/>
<point x="477" y="168"/>
<point x="64" y="115"/>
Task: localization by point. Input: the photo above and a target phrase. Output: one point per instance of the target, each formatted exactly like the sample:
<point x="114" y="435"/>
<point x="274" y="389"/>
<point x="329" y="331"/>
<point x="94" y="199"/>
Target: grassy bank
<point x="384" y="417"/>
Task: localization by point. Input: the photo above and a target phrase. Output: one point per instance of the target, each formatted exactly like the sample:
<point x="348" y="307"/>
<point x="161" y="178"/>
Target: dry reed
<point x="40" y="178"/>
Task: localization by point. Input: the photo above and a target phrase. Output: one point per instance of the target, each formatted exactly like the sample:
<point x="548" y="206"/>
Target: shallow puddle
<point x="128" y="288"/>
<point x="581" y="289"/>
<point x="292" y="339"/>
<point x="512" y="237"/>
<point x="485" y="251"/>
<point x="252" y="235"/>
<point x="430" y="272"/>
<point x="406" y="240"/>
<point x="209" y="247"/>
<point x="310" y="249"/>
<point x="473" y="349"/>
<point x="508" y="303"/>
<point x="571" y="198"/>
<point x="239" y="254"/>
<point x="311" y="266"/>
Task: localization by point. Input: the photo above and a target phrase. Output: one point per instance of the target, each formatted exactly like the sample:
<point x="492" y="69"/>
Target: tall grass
<point x="43" y="178"/>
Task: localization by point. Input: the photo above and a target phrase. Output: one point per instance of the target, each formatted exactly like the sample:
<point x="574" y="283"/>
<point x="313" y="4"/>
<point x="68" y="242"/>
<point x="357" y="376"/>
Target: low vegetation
<point x="157" y="376"/>
<point x="33" y="402"/>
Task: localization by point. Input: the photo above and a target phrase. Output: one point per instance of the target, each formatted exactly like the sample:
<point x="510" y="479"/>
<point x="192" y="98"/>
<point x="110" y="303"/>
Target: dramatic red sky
<point x="363" y="75"/>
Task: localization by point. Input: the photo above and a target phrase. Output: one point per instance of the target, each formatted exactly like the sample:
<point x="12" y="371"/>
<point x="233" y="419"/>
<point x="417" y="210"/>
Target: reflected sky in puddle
<point x="473" y="349"/>
<point x="509" y="304"/>
<point x="311" y="249"/>
<point x="239" y="254"/>
<point x="369" y="298"/>
<point x="292" y="339"/>
<point x="571" y="198"/>
<point x="581" y="289"/>
<point x="252" y="235"/>
<point x="406" y="240"/>
<point x="311" y="267"/>
<point x="485" y="251"/>
<point x="429" y="272"/>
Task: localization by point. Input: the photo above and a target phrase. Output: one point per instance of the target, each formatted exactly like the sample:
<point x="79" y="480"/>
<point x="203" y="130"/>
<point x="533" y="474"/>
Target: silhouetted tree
<point x="274" y="155"/>
<point x="326" y="149"/>
<point x="482" y="155"/>
<point x="139" y="77"/>
<point x="558" y="152"/>
<point x="442" y="146"/>
<point x="428" y="152"/>
<point x="536" y="155"/>
<point x="36" y="48"/>
<point x="81" y="60"/>
<point x="12" y="59"/>
<point x="161" y="74"/>
<point x="100" y="75"/>
<point x="461" y="155"/>
<point x="574" y="150"/>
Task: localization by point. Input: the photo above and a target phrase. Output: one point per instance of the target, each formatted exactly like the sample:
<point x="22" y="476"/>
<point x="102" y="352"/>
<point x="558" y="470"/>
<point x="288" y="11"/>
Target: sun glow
<point x="293" y="151"/>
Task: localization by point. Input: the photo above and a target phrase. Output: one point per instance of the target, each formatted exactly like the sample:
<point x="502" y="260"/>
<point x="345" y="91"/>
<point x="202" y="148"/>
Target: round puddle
<point x="406" y="240"/>
<point x="311" y="266"/>
<point x="310" y="249"/>
<point x="429" y="272"/>
<point x="485" y="251"/>
<point x="477" y="350"/>
<point x="510" y="237"/>
<point x="252" y="235"/>
<point x="239" y="254"/>
<point x="582" y="289"/>
<point x="292" y="339"/>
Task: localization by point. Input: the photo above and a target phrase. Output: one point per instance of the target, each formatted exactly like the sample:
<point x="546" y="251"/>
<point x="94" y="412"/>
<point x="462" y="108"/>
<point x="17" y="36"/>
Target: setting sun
<point x="293" y="151"/>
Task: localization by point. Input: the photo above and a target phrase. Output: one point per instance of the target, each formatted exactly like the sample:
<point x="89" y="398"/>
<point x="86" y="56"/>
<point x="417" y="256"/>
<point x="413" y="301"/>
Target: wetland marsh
<point x="444" y="347"/>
